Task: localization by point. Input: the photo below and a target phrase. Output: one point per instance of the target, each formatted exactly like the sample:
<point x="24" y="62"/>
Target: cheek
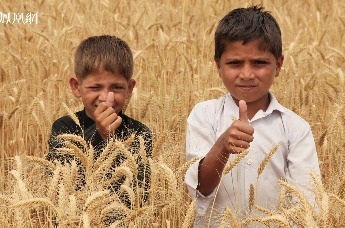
<point x="88" y="100"/>
<point x="120" y="98"/>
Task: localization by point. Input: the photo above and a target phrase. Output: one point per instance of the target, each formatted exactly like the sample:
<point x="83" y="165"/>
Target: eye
<point x="260" y="62"/>
<point x="117" y="87"/>
<point x="93" y="87"/>
<point x="234" y="62"/>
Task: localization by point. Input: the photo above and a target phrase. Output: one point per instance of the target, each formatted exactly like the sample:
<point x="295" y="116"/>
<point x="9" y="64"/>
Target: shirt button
<point x="249" y="162"/>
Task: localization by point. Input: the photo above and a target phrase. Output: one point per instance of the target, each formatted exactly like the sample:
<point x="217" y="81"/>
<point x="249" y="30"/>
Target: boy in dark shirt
<point x="103" y="80"/>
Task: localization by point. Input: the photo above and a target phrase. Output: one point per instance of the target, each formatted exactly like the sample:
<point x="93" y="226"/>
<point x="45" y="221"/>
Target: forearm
<point x="211" y="168"/>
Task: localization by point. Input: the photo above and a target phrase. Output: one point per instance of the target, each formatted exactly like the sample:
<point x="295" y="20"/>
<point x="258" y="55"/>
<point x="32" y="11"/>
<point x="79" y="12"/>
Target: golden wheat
<point x="173" y="50"/>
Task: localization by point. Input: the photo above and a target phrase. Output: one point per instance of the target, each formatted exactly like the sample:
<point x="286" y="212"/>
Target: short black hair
<point x="247" y="24"/>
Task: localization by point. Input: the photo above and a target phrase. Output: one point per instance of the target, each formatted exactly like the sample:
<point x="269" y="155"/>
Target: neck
<point x="254" y="107"/>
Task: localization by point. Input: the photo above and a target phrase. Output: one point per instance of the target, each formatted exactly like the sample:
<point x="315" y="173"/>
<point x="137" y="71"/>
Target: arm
<point x="234" y="140"/>
<point x="302" y="159"/>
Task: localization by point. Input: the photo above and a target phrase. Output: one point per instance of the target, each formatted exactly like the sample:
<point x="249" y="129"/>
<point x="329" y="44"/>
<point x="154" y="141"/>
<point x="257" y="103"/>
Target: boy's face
<point x="94" y="89"/>
<point x="248" y="72"/>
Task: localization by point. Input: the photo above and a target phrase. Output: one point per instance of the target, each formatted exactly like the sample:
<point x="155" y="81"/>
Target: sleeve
<point x="200" y="137"/>
<point x="302" y="160"/>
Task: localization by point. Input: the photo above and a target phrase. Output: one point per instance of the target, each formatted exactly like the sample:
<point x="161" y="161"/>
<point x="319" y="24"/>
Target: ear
<point x="75" y="84"/>
<point x="131" y="85"/>
<point x="280" y="62"/>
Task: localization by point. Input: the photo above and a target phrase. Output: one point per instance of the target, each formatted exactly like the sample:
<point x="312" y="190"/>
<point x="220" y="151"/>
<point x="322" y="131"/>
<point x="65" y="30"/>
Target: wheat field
<point x="172" y="42"/>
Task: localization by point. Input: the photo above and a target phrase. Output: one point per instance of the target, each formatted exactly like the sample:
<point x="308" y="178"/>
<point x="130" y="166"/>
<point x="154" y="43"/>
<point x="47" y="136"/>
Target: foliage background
<point x="172" y="42"/>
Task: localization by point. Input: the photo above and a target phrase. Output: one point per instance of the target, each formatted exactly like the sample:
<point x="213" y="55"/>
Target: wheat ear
<point x="251" y="197"/>
<point x="86" y="220"/>
<point x="182" y="170"/>
<point x="115" y="206"/>
<point x="190" y="215"/>
<point x="23" y="191"/>
<point x="234" y="162"/>
<point x="105" y="153"/>
<point x="267" y="159"/>
<point x="73" y="138"/>
<point x="322" y="198"/>
<point x="121" y="171"/>
<point x="71" y="114"/>
<point x="277" y="219"/>
<point x="40" y="161"/>
<point x="227" y="218"/>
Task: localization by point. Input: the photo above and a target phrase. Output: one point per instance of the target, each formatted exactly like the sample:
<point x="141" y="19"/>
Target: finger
<point x="108" y="120"/>
<point x="243" y="115"/>
<point x="245" y="137"/>
<point x="101" y="108"/>
<point x="102" y="112"/>
<point x="115" y="124"/>
<point x="236" y="149"/>
<point x="239" y="143"/>
<point x="110" y="99"/>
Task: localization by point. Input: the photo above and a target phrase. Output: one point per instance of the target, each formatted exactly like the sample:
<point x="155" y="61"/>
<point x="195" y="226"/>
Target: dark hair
<point x="105" y="52"/>
<point x="247" y="24"/>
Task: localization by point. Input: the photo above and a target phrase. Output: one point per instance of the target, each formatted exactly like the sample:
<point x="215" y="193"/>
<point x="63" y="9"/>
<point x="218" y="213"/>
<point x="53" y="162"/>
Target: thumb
<point x="110" y="99"/>
<point x="243" y="116"/>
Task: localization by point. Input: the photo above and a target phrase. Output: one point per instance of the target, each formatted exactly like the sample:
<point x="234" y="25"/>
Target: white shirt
<point x="293" y="161"/>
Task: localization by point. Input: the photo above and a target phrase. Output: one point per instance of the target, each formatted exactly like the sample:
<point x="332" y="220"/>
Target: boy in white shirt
<point x="248" y="55"/>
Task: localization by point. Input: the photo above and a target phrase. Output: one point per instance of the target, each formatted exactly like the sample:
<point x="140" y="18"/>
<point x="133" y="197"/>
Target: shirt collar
<point x="273" y="106"/>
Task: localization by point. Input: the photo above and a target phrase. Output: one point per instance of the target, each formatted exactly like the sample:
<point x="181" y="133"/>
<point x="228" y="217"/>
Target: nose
<point x="103" y="94"/>
<point x="246" y="72"/>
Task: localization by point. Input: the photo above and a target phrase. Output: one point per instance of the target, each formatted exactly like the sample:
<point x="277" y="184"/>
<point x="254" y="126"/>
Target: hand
<point x="107" y="121"/>
<point x="238" y="136"/>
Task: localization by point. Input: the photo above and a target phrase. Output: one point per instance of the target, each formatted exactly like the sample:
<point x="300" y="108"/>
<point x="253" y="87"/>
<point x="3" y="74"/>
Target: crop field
<point x="172" y="43"/>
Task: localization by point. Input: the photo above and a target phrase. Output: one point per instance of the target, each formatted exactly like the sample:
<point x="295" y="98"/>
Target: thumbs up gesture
<point x="238" y="136"/>
<point x="243" y="115"/>
<point x="107" y="121"/>
<point x="110" y="99"/>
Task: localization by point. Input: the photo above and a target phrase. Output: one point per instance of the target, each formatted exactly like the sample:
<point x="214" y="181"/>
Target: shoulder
<point x="65" y="124"/>
<point x="296" y="128"/>
<point x="135" y="126"/>
<point x="208" y="108"/>
<point x="290" y="119"/>
<point x="294" y="120"/>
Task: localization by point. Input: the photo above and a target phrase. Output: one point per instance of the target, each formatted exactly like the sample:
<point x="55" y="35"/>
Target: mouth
<point x="246" y="87"/>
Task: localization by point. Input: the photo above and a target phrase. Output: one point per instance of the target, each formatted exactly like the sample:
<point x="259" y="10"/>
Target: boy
<point x="103" y="68"/>
<point x="248" y="55"/>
